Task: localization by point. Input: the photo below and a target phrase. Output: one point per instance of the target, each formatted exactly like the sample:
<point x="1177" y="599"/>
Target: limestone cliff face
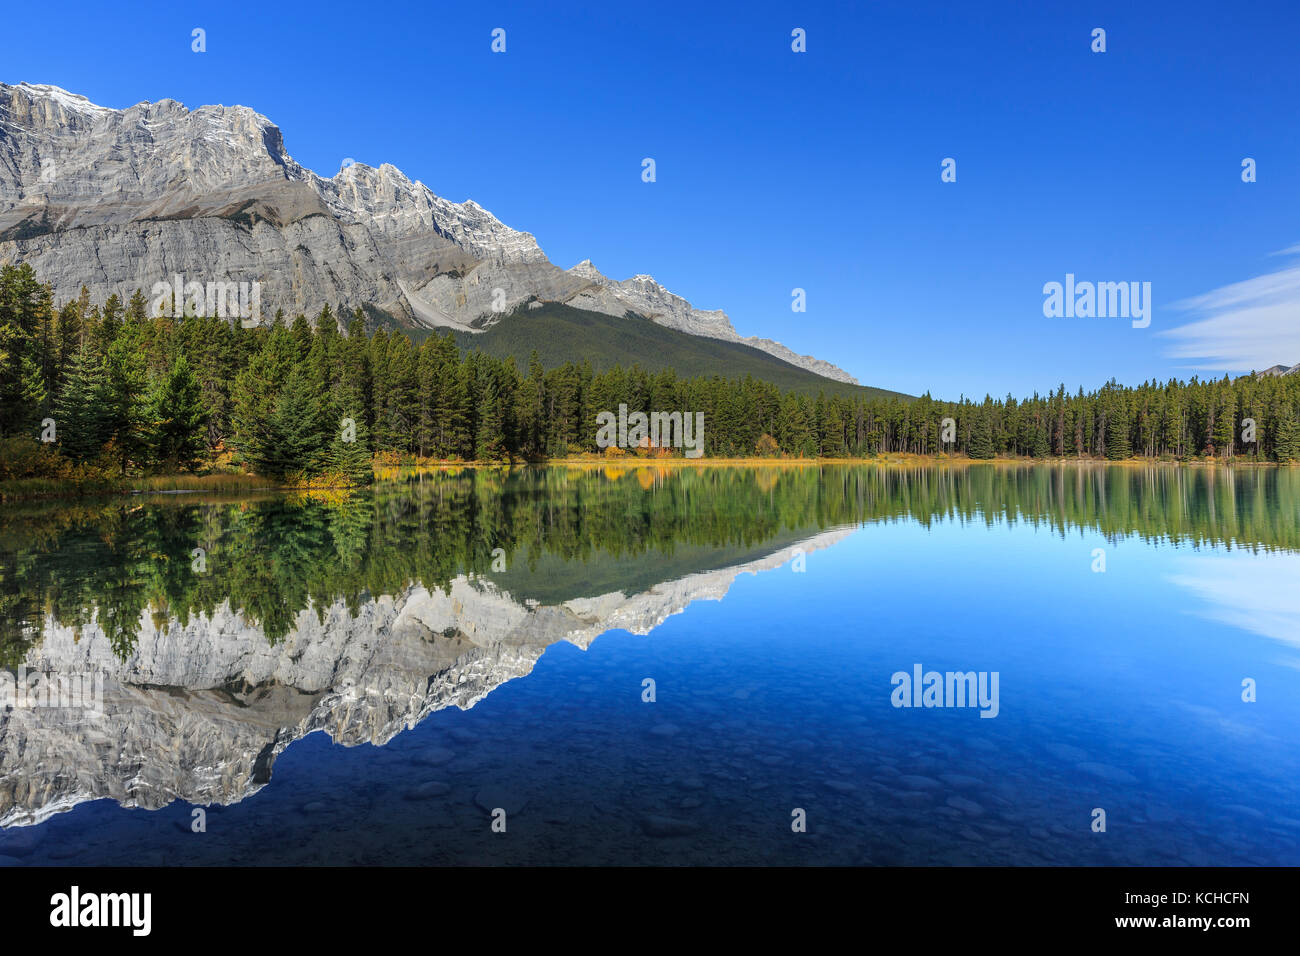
<point x="117" y="200"/>
<point x="199" y="711"/>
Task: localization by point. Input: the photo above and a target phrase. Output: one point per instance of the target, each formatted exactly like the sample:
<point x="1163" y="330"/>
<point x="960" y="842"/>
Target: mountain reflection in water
<point x="226" y="630"/>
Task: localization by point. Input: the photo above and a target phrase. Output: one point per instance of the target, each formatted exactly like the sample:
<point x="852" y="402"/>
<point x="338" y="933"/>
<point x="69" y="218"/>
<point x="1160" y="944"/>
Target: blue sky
<point x="819" y="170"/>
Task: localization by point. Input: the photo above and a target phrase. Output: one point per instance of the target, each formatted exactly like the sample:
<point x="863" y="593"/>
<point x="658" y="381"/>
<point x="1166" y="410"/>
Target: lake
<point x="836" y="664"/>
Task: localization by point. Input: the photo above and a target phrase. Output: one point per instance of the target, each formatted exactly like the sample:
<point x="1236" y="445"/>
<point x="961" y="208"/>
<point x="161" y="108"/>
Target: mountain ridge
<point x="1278" y="371"/>
<point x="121" y="199"/>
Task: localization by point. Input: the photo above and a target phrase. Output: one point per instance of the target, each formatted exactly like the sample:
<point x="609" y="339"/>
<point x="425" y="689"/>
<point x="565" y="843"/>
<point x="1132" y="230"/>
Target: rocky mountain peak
<point x="117" y="200"/>
<point x="585" y="270"/>
<point x="1279" y="370"/>
<point x="57" y="97"/>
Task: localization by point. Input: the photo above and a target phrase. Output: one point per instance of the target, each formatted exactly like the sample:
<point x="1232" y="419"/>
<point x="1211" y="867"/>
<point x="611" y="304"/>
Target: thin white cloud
<point x="1247" y="325"/>
<point x="1254" y="592"/>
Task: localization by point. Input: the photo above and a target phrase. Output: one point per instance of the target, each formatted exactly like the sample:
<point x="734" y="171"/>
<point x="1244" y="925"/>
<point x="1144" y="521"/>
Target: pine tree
<point x="178" y="418"/>
<point x="79" y="413"/>
<point x="981" y="437"/>
<point x="106" y="324"/>
<point x="1118" y="443"/>
<point x="255" y="393"/>
<point x="380" y="384"/>
<point x="400" y="411"/>
<point x="488" y="444"/>
<point x="297" y="430"/>
<point x="529" y="414"/>
<point x="1287" y="447"/>
<point x="25" y="315"/>
<point x="831" y="428"/>
<point x="1041" y="446"/>
<point x="450" y="404"/>
<point x="125" y="400"/>
<point x="349" y="453"/>
<point x="137" y="307"/>
<point x="1224" y="432"/>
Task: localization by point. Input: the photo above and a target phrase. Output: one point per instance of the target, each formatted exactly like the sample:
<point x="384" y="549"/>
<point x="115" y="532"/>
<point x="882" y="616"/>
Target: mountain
<point x="561" y="333"/>
<point x="117" y="200"/>
<point x="1279" y="370"/>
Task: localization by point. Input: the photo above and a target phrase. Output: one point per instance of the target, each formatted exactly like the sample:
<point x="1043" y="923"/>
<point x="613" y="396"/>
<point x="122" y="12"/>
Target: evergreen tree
<point x="349" y="454"/>
<point x="137" y="307"/>
<point x="25" y="313"/>
<point x="125" y="403"/>
<point x="297" y="428"/>
<point x="1287" y="448"/>
<point x="178" y="417"/>
<point x="981" y="439"/>
<point x="79" y="414"/>
<point x="1118" y="444"/>
<point x="1041" y="445"/>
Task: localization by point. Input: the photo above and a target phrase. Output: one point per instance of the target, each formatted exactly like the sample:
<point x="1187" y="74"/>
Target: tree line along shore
<point x="103" y="395"/>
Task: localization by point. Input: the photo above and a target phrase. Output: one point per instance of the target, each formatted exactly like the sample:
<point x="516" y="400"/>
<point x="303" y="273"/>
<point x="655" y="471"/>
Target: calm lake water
<point x="478" y="648"/>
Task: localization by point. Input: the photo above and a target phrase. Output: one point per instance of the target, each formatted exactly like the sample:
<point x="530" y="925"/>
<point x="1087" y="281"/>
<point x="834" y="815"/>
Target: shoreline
<point x="37" y="489"/>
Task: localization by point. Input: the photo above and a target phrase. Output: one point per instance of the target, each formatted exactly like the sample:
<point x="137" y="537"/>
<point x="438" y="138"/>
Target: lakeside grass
<point x="234" y="483"/>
